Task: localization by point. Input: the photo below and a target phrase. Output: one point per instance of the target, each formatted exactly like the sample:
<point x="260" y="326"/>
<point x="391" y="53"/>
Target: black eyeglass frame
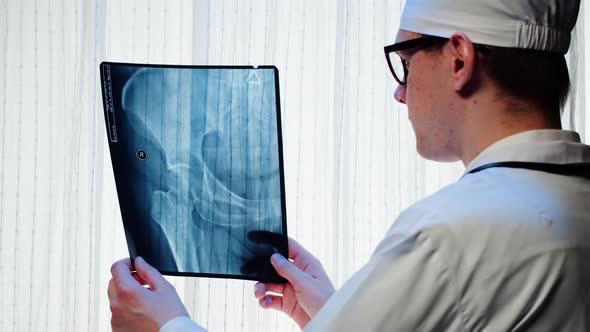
<point x="416" y="44"/>
<point x="403" y="46"/>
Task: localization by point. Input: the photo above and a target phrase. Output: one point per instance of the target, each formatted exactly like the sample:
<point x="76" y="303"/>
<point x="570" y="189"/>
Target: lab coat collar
<point x="551" y="146"/>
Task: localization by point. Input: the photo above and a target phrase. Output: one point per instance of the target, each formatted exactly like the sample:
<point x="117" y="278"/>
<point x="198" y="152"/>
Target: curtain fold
<point x="349" y="150"/>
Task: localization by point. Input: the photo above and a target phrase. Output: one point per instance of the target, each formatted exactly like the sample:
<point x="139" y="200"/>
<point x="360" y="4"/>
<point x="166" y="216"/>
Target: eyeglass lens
<point x="397" y="66"/>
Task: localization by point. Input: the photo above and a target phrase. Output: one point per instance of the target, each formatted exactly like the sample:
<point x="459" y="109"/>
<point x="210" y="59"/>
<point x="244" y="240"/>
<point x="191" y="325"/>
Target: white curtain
<point x="349" y="151"/>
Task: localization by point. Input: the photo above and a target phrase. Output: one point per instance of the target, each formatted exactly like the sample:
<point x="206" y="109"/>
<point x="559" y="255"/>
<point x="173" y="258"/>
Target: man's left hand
<point x="141" y="300"/>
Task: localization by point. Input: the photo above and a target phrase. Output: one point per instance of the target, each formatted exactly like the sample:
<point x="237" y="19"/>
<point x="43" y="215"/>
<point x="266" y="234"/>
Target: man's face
<point x="428" y="96"/>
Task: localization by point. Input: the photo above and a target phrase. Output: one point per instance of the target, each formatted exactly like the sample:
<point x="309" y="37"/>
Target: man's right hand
<point x="306" y="291"/>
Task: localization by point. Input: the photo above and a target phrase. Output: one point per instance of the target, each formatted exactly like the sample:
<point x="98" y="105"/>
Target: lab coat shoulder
<point x="526" y="211"/>
<point x="514" y="253"/>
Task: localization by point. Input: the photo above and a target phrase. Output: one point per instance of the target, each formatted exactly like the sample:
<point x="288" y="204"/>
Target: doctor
<point x="506" y="247"/>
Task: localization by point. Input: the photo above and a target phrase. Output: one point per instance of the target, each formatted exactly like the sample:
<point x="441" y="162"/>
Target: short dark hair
<point x="536" y="76"/>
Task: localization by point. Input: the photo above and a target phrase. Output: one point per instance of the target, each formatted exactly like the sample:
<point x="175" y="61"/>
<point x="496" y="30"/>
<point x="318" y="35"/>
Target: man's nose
<point x="400" y="94"/>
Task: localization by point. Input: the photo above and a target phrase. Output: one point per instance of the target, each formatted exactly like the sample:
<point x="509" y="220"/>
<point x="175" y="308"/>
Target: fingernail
<point x="139" y="259"/>
<point x="267" y="301"/>
<point x="276" y="258"/>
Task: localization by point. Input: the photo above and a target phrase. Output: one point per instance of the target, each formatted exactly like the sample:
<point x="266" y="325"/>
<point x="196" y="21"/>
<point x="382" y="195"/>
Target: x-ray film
<point x="197" y="159"/>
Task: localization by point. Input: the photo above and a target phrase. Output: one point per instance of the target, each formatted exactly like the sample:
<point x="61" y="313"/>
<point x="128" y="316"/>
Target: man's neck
<point x="487" y="123"/>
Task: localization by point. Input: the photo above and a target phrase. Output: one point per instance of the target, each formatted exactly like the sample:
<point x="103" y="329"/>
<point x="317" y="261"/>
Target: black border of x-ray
<point x="279" y="237"/>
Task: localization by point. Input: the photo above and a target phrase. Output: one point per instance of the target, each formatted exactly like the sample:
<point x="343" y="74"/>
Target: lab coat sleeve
<point x="181" y="324"/>
<point x="406" y="286"/>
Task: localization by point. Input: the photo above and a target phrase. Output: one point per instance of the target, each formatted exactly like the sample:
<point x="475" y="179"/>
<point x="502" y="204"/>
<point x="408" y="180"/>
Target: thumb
<point x="288" y="270"/>
<point x="148" y="273"/>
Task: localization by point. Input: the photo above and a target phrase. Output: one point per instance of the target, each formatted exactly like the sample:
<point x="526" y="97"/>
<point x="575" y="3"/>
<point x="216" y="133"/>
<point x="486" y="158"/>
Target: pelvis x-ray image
<point x="196" y="154"/>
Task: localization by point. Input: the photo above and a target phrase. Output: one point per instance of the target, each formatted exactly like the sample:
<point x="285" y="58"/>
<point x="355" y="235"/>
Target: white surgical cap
<point x="543" y="25"/>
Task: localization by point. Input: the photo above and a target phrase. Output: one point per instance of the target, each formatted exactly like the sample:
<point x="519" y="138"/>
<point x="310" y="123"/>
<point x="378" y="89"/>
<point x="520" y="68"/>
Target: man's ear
<point x="464" y="57"/>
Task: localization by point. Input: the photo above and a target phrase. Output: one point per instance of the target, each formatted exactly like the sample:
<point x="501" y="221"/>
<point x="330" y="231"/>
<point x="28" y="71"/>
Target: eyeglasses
<point x="399" y="65"/>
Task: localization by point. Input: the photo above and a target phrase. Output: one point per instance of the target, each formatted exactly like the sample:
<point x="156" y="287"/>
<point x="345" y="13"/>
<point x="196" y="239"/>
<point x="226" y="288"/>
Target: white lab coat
<point x="499" y="250"/>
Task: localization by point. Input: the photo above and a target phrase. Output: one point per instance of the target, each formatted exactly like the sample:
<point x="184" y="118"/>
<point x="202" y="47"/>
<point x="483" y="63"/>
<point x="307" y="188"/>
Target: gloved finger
<point x="121" y="272"/>
<point x="148" y="273"/>
<point x="271" y="302"/>
<point x="289" y="271"/>
<point x="260" y="289"/>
